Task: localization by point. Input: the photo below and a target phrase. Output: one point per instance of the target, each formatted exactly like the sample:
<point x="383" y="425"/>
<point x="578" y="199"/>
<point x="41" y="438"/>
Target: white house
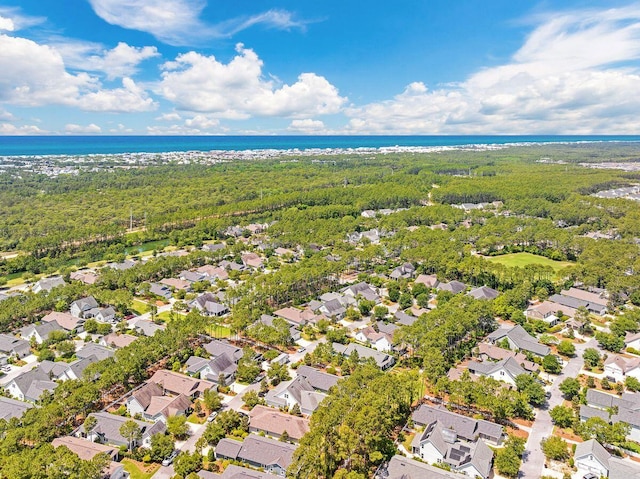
<point x="506" y="370"/>
<point x="591" y="457"/>
<point x="620" y="368"/>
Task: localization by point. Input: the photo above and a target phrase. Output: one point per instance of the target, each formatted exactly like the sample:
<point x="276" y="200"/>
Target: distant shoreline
<point x="225" y="147"/>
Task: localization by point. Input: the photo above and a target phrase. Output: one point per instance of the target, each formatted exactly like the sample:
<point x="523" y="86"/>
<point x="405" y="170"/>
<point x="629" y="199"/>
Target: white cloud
<point x="199" y="83"/>
<point x="307" y="126"/>
<point x="10" y="129"/>
<point x="202" y="122"/>
<point x="12" y="19"/>
<point x="80" y="129"/>
<point x="32" y="74"/>
<point x="118" y="62"/>
<point x="6" y="116"/>
<point x="169" y="117"/>
<point x="570" y="76"/>
<point x="6" y="24"/>
<point x="177" y="22"/>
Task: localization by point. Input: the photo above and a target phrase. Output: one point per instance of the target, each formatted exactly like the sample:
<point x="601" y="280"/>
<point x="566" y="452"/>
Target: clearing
<point x="524" y="259"/>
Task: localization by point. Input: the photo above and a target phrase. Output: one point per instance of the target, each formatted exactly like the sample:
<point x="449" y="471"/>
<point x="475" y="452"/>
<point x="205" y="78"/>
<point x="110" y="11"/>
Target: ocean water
<point x="86" y="145"/>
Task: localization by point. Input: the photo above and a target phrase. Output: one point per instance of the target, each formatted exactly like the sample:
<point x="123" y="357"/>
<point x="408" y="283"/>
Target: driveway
<point x="196" y="431"/>
<point x="31" y="361"/>
<point x="533" y="460"/>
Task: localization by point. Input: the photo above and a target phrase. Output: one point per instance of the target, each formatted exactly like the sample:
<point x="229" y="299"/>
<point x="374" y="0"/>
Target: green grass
<point x="218" y="331"/>
<point x="524" y="259"/>
<point x="132" y="468"/>
<point x="166" y="316"/>
<point x="139" y="307"/>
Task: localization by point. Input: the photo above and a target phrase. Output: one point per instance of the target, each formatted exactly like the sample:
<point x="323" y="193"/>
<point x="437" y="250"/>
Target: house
<point x="218" y="347"/>
<point x="378" y="340"/>
<point x="506" y="370"/>
<point x="160" y="290"/>
<point x="106" y="315"/>
<point x="489" y="352"/>
<point x="148" y="328"/>
<point x="267" y="320"/>
<point x="66" y="321"/>
<point x="86" y="276"/>
<point x="632" y="340"/>
<point x="161" y="408"/>
<point x="192" y="276"/>
<point x="296" y="391"/>
<point x="628" y="409"/>
<point x="117" y="341"/>
<point x="269" y="454"/>
<point x="429" y="280"/>
<point x="213" y="272"/>
<point x="87" y="450"/>
<point x="441" y="444"/>
<point x="404" y="271"/>
<point x="213" y="247"/>
<point x="467" y="428"/>
<point x="47" y="284"/>
<point x="333" y="309"/>
<point x="404" y="319"/>
<point x="212" y="369"/>
<point x="483" y="292"/>
<point x="207" y="303"/>
<point x="274" y="423"/>
<point x="619" y="368"/>
<point x="139" y="400"/>
<point x="84" y="307"/>
<point x="107" y="430"/>
<point x="236" y="472"/>
<point x="518" y="339"/>
<point x="93" y="349"/>
<point x="400" y="467"/>
<point x="382" y="360"/>
<point x="319" y="380"/>
<point x="372" y="236"/>
<point x="176" y="383"/>
<point x="251" y="260"/>
<point x="295" y="316"/>
<point x="591" y="457"/>
<point x="175" y="283"/>
<point x="364" y="290"/>
<point x="30" y="385"/>
<point x="549" y="312"/>
<point x="125" y="265"/>
<point x="12" y="346"/>
<point x="575" y="298"/>
<point x="62" y="371"/>
<point x="453" y="287"/>
<point x="10" y="408"/>
<point x="40" y="333"/>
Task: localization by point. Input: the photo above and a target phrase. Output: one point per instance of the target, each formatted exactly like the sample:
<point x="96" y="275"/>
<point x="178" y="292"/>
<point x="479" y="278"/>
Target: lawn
<point x="218" y="331"/>
<point x="166" y="316"/>
<point x="139" y="307"/>
<point x="139" y="471"/>
<point x="524" y="259"/>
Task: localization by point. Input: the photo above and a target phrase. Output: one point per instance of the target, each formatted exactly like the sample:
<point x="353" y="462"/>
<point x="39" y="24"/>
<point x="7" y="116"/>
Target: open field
<point x="524" y="259"/>
<point x="135" y="471"/>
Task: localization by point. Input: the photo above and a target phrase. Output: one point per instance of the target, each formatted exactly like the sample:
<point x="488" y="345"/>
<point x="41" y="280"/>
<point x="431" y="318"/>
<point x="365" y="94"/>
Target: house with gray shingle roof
<point x="47" y="284"/>
<point x="483" y="292"/>
<point x="84" y="307"/>
<point x="506" y="370"/>
<point x="10" y="408"/>
<point x="591" y="457"/>
<point x="400" y="467"/>
<point x="107" y="430"/>
<point x="211" y="369"/>
<point x="453" y="287"/>
<point x="218" y="347"/>
<point x="297" y="391"/>
<point x="263" y="452"/>
<point x="148" y="328"/>
<point x="40" y="332"/>
<point x="319" y="380"/>
<point x="30" y="385"/>
<point x="519" y="339"/>
<point x="97" y="350"/>
<point x="382" y="360"/>
<point x="274" y="423"/>
<point x="12" y="346"/>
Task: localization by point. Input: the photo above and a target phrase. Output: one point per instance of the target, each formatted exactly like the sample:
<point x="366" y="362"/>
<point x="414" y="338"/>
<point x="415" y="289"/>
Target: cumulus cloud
<point x="570" y="76"/>
<point x="237" y="90"/>
<point x="72" y="128"/>
<point x="202" y="122"/>
<point x="10" y="129"/>
<point x="118" y="62"/>
<point x="32" y="74"/>
<point x="169" y="117"/>
<point x="12" y="19"/>
<point x="307" y="125"/>
<point x="178" y="22"/>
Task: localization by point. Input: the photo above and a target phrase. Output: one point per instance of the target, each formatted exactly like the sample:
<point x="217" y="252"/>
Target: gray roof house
<point x="236" y="472"/>
<point x="274" y="423"/>
<point x="404" y="271"/>
<point x="271" y="455"/>
<point x="363" y="289"/>
<point x="211" y="369"/>
<point x="404" y="319"/>
<point x="317" y="379"/>
<point x="208" y="304"/>
<point x="40" y="333"/>
<point x="518" y="338"/>
<point x="93" y="349"/>
<point x="12" y="346"/>
<point x="84" y="307"/>
<point x="217" y="347"/>
<point x="400" y="467"/>
<point x="506" y="370"/>
<point x="47" y="284"/>
<point x="454" y="287"/>
<point x="30" y="385"/>
<point x="465" y="427"/>
<point x="297" y="391"/>
<point x="483" y="292"/>
<point x="161" y="290"/>
<point x="107" y="430"/>
<point x="148" y="328"/>
<point x="382" y="360"/>
<point x="10" y="408"/>
<point x="592" y="458"/>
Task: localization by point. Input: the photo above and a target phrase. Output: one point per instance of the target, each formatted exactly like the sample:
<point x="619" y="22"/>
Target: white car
<point x="169" y="460"/>
<point x="212" y="416"/>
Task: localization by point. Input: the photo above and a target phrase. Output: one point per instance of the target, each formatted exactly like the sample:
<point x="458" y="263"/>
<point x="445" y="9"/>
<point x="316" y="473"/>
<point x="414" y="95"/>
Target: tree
<point x="610" y="342"/>
<point x="177" y="426"/>
<point x="186" y="463"/>
<point x="365" y="306"/>
<point x="66" y="349"/>
<point x="551" y="364"/>
<point x="532" y="388"/>
<point x="570" y="387"/>
<point x="566" y="348"/>
<point x="161" y="446"/>
<point x="632" y="384"/>
<point x="212" y="400"/>
<point x="131" y="432"/>
<point x="393" y="292"/>
<point x="507" y="462"/>
<point x="562" y="416"/>
<point x="418" y="289"/>
<point x="591" y="357"/>
<point x="380" y="312"/>
<point x="555" y="448"/>
<point x="89" y="423"/>
<point x="251" y="399"/>
<point x="295" y="410"/>
<point x="405" y="301"/>
<point x="284" y="437"/>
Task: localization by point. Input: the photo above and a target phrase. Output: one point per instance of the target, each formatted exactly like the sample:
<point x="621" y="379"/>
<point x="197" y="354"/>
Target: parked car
<point x="212" y="416"/>
<point x="302" y="349"/>
<point x="6" y="369"/>
<point x="590" y="475"/>
<point x="169" y="460"/>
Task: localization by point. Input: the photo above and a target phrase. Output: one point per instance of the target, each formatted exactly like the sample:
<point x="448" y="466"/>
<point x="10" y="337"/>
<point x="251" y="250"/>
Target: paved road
<point x="533" y="461"/>
<point x="31" y="361"/>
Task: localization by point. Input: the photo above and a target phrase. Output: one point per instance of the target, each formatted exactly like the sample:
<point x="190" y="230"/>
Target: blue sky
<point x="321" y="67"/>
